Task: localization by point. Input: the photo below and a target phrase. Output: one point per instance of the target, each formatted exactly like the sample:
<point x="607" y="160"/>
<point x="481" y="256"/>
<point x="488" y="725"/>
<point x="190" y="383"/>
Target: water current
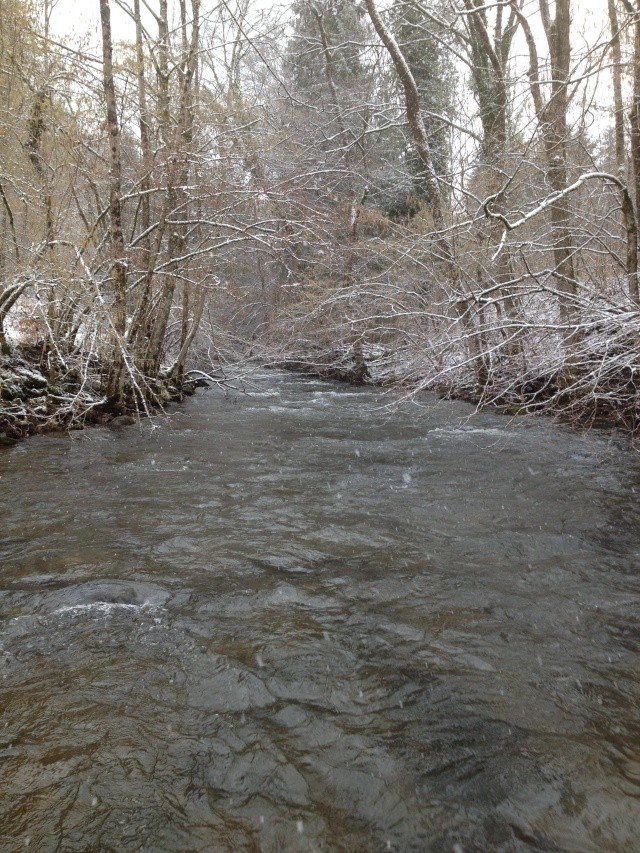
<point x="295" y="620"/>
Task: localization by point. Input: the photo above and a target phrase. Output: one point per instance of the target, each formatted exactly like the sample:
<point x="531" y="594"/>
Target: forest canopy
<point x="440" y="194"/>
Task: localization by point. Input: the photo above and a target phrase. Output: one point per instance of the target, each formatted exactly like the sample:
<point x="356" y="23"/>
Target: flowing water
<point x="297" y="621"/>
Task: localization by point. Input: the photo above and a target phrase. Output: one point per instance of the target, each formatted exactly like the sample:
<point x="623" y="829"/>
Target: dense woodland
<point x="437" y="195"/>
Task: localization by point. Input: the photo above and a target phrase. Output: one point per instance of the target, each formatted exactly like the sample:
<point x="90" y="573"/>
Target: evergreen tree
<point x="344" y="26"/>
<point x="423" y="44"/>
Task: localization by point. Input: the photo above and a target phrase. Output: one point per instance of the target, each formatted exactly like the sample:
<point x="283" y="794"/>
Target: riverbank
<point x="570" y="396"/>
<point x="41" y="394"/>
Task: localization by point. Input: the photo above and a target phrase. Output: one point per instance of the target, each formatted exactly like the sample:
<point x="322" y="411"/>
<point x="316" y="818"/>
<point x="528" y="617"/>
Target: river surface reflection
<point x="296" y="621"/>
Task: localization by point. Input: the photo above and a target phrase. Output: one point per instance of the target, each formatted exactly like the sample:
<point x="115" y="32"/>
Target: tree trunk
<point x="140" y="320"/>
<point x="490" y="53"/>
<point x="635" y="145"/>
<point x="558" y="34"/>
<point x="115" y="382"/>
<point x="432" y="190"/>
<point x="552" y="116"/>
<point x="416" y="124"/>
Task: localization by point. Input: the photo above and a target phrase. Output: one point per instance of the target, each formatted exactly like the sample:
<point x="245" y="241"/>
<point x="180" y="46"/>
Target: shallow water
<point x="298" y="621"/>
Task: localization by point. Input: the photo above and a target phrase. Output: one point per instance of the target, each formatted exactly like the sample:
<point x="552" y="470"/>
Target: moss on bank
<point x="39" y="394"/>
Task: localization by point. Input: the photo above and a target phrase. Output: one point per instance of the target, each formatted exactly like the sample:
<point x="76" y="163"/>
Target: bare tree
<point x="119" y="265"/>
<point x="552" y="116"/>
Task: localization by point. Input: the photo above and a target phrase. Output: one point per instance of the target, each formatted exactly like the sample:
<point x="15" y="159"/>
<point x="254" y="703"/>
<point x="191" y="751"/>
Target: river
<point x="296" y="620"/>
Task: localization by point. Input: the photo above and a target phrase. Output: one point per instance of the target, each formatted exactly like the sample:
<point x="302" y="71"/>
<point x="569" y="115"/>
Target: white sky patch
<point x="75" y="23"/>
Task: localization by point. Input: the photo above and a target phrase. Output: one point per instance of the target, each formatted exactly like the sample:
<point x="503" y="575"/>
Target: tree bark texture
<point x="119" y="266"/>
